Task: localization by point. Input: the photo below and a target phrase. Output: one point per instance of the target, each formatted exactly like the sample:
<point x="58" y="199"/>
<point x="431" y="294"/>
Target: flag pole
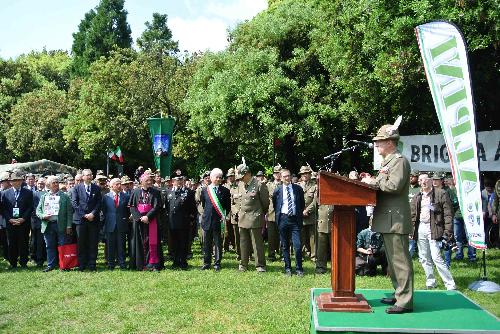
<point x="107" y="162"/>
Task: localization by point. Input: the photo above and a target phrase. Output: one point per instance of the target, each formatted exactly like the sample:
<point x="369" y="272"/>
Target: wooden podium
<point x="345" y="194"/>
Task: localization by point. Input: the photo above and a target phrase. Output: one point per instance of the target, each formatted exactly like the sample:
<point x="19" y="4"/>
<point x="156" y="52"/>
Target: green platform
<point x="434" y="312"/>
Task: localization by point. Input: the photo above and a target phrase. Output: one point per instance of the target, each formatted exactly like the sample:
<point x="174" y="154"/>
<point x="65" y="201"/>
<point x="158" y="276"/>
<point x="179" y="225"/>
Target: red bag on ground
<point x="67" y="256"/>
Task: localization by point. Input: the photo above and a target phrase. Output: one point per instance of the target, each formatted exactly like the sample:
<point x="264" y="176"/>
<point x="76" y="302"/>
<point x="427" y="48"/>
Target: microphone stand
<point x="334" y="156"/>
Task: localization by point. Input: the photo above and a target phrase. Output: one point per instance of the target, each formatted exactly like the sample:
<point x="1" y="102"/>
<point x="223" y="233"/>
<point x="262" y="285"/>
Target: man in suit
<point x="86" y="200"/>
<point x="181" y="211"/>
<point x="392" y="218"/>
<point x="288" y="202"/>
<point x="17" y="206"/>
<point x="116" y="215"/>
<point x="253" y="205"/>
<point x="216" y="202"/>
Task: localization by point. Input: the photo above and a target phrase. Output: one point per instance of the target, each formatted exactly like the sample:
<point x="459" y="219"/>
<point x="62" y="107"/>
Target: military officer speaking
<point x="391" y="217"/>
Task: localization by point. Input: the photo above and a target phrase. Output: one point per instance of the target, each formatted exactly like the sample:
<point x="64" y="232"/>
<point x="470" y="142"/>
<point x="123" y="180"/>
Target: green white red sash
<point x="216" y="203"/>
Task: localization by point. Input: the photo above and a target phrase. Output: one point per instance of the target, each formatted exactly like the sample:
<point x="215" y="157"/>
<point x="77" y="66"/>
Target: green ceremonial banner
<point x="445" y="62"/>
<point x="161" y="130"/>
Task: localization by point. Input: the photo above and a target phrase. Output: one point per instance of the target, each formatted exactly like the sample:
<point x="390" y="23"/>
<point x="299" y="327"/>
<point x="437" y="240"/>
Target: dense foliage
<point x="294" y="84"/>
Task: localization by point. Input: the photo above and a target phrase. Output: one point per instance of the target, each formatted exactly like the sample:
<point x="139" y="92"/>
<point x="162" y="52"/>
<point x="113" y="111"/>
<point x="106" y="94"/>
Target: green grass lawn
<point x="191" y="301"/>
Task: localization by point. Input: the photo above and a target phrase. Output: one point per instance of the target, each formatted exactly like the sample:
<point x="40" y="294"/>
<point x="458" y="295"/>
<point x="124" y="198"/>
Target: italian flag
<point x="116" y="155"/>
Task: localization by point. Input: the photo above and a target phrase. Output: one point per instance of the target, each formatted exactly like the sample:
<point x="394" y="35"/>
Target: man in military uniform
<point x="391" y="217"/>
<point x="308" y="232"/>
<point x="181" y="209"/>
<point x="230" y="238"/>
<point x="253" y="205"/>
<point x="325" y="216"/>
<point x="273" y="236"/>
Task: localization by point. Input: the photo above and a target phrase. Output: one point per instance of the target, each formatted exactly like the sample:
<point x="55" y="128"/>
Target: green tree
<point x="157" y="37"/>
<point x="102" y="30"/>
<point x="36" y="123"/>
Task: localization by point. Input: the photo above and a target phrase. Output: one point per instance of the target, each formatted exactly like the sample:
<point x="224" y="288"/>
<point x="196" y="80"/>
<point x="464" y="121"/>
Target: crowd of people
<point x="236" y="212"/>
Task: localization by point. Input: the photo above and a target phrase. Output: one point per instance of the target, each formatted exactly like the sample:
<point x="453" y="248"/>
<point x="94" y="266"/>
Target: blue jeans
<point x="53" y="238"/>
<point x="290" y="229"/>
<point x="461" y="238"/>
<point x="413" y="247"/>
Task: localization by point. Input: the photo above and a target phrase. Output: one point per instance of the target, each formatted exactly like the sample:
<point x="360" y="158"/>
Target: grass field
<point x="191" y="301"/>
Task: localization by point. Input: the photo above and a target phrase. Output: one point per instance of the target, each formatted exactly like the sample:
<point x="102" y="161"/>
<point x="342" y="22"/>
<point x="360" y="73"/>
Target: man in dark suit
<point x="216" y="202"/>
<point x="181" y="210"/>
<point x="288" y="202"/>
<point x="116" y="215"/>
<point x="17" y="206"/>
<point x="86" y="200"/>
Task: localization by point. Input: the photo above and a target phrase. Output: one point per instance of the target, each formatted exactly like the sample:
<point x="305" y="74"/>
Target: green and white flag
<point x="445" y="60"/>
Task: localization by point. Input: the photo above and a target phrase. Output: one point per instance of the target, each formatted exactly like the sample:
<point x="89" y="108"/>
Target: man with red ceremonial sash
<point x="216" y="202"/>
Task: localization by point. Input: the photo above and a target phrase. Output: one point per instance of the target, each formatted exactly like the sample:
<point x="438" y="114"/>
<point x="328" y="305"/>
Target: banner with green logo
<point x="161" y="130"/>
<point x="445" y="61"/>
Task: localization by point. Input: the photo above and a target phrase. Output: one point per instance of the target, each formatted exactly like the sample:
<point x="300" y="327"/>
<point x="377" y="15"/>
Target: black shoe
<point x="92" y="268"/>
<point x="320" y="271"/>
<point x="12" y="267"/>
<point x="111" y="268"/>
<point x="46" y="270"/>
<point x="123" y="267"/>
<point x="205" y="267"/>
<point x="288" y="272"/>
<point x="388" y="301"/>
<point x="299" y="273"/>
<point x="81" y="269"/>
<point x="397" y="310"/>
<point x="24" y="266"/>
<point x="217" y="268"/>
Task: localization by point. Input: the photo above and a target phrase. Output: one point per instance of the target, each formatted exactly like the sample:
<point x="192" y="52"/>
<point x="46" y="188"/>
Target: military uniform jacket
<point x="271" y="186"/>
<point x="325" y="216"/>
<point x="197" y="198"/>
<point x="253" y="203"/>
<point x="392" y="213"/>
<point x="495" y="207"/>
<point x="181" y="208"/>
<point x="311" y="199"/>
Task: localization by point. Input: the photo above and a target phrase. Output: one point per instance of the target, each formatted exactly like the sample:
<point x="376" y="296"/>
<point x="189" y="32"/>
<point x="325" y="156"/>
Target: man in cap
<point x="181" y="210"/>
<point x="260" y="176"/>
<point x="17" y="207"/>
<point x="308" y="234"/>
<point x="253" y="205"/>
<point x="127" y="184"/>
<point x="231" y="235"/>
<point x="391" y="217"/>
<point x="273" y="236"/>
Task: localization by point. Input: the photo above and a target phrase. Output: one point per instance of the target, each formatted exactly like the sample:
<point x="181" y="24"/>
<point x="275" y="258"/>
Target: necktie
<point x="87" y="190"/>
<point x="289" y="199"/>
<point x="116" y="200"/>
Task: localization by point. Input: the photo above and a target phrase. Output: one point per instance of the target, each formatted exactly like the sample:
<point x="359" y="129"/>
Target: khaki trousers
<point x="323" y="250"/>
<point x="400" y="267"/>
<point x="273" y="238"/>
<point x="253" y="237"/>
<point x="308" y="239"/>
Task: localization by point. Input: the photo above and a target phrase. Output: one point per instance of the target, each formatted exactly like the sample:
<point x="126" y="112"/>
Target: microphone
<point x="370" y="145"/>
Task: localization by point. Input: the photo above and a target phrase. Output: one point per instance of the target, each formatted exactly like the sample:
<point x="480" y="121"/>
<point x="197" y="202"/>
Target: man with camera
<point x="431" y="215"/>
